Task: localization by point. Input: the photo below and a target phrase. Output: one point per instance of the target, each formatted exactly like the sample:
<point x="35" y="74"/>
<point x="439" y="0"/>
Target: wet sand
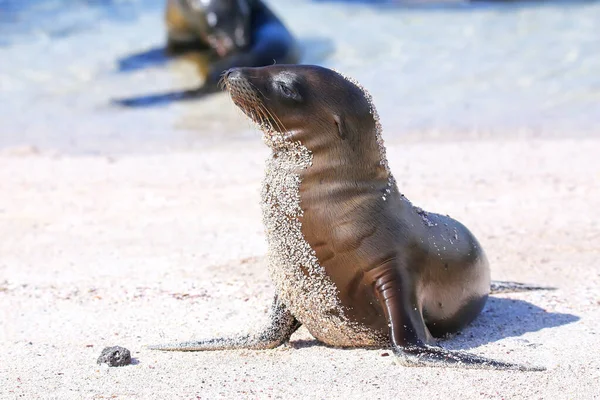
<point x="140" y="249"/>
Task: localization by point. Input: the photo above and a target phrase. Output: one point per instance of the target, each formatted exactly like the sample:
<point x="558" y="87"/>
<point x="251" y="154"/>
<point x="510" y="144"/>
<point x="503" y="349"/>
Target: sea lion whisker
<point x="245" y="95"/>
<point x="242" y="107"/>
<point x="279" y="124"/>
<point x="260" y="109"/>
<point x="258" y="115"/>
<point x="268" y="119"/>
<point x="258" y="90"/>
<point x="222" y="84"/>
<point x="256" y="111"/>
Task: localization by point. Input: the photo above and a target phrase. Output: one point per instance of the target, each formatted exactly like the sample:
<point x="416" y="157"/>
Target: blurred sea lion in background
<point x="220" y="25"/>
<point x="218" y="35"/>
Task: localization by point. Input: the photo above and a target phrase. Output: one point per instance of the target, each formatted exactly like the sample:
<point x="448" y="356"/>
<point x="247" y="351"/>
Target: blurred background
<point x="437" y="70"/>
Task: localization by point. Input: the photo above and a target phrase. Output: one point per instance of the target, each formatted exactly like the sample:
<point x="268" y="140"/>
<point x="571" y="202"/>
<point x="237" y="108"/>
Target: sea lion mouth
<point x="249" y="99"/>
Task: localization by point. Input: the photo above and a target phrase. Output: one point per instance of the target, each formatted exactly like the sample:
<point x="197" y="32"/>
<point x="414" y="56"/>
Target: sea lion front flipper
<point x="281" y="326"/>
<point x="409" y="335"/>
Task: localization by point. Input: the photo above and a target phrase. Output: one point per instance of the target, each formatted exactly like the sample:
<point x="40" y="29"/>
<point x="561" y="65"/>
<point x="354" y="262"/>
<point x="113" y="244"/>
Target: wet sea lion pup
<point x="351" y="258"/>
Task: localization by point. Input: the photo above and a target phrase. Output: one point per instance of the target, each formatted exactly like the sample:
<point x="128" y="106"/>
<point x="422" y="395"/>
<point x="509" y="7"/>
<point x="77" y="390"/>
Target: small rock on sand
<point x="115" y="356"/>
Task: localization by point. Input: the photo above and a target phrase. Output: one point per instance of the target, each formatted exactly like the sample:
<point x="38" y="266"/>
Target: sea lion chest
<point x="301" y="282"/>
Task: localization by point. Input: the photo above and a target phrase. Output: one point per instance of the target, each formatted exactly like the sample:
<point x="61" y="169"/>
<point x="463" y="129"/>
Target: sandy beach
<point x="141" y="249"/>
<point x="141" y="226"/>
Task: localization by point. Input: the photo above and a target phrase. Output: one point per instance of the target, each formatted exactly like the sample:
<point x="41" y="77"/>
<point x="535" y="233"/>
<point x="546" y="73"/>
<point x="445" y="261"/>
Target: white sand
<point x="138" y="250"/>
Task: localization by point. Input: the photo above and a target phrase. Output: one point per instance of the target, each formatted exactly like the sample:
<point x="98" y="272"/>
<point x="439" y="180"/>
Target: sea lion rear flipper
<point x="431" y="356"/>
<point x="513" y="287"/>
<point x="409" y="335"/>
<point x="281" y="326"/>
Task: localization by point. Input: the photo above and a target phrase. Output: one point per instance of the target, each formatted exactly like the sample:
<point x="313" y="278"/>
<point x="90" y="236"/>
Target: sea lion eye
<point x="285" y="89"/>
<point x="288" y="91"/>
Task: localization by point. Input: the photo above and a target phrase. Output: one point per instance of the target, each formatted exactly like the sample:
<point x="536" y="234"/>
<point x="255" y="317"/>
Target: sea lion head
<point x="226" y="23"/>
<point x="316" y="106"/>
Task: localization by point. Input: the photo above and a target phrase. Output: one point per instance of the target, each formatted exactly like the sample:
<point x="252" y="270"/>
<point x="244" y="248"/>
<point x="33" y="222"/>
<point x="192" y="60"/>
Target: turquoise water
<point x="435" y="71"/>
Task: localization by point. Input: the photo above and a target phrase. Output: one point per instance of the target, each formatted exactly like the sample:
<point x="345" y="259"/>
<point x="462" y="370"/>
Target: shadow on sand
<point x="502" y="318"/>
<point x="166" y="98"/>
<point x="153" y="57"/>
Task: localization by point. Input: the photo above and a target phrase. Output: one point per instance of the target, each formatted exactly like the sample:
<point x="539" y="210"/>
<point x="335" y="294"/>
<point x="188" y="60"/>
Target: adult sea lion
<point x="351" y="258"/>
<point x="243" y="33"/>
<point x="222" y="25"/>
<point x="218" y="35"/>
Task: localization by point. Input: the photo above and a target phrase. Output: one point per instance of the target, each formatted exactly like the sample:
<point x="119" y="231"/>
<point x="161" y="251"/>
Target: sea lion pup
<point x="350" y="257"/>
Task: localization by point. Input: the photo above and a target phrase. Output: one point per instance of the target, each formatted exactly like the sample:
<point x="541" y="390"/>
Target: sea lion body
<point x="351" y="258"/>
<point x="331" y="290"/>
<point x="348" y="220"/>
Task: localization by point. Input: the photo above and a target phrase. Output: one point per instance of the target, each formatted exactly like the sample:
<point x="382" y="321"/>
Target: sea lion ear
<point x="339" y="122"/>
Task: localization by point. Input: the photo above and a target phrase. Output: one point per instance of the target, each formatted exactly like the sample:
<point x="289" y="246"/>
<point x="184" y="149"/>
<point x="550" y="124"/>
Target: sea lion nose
<point x="233" y="73"/>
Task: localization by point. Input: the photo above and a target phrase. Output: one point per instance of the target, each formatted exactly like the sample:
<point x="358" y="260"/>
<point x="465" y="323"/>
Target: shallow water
<point x="489" y="69"/>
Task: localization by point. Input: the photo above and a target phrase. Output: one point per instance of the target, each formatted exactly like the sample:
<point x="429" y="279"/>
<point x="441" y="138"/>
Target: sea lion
<point x="243" y="33"/>
<point x="223" y="25"/>
<point x="217" y="35"/>
<point x="350" y="257"/>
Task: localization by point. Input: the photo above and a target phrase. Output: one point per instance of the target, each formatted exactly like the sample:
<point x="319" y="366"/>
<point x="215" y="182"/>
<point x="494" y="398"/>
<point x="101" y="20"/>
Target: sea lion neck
<point x="348" y="162"/>
<point x="357" y="156"/>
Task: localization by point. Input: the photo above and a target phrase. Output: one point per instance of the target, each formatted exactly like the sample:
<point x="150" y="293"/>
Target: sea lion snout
<point x="248" y="95"/>
<point x="241" y="90"/>
<point x="233" y="74"/>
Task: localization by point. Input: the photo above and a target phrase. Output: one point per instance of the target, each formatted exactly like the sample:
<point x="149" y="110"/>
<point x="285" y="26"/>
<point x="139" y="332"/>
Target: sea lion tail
<point x="514" y="287"/>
